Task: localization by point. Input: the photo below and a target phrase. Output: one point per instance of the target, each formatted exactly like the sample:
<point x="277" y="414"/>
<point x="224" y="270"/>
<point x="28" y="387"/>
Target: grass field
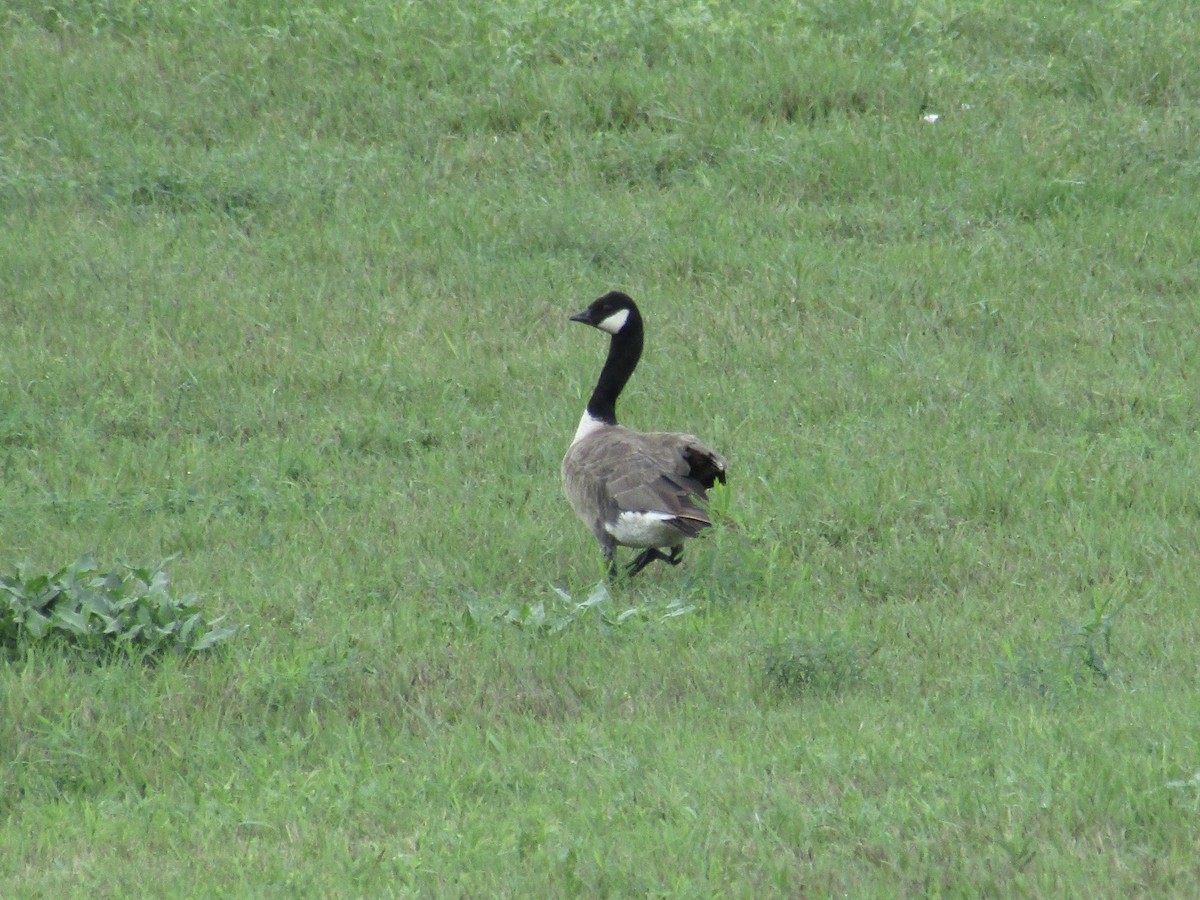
<point x="283" y="297"/>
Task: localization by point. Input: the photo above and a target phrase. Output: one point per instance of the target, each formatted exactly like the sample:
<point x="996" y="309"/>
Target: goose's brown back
<point x="617" y="470"/>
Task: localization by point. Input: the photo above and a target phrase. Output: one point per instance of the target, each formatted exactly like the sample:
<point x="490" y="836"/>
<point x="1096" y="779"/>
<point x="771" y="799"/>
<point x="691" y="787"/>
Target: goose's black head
<point x="615" y="313"/>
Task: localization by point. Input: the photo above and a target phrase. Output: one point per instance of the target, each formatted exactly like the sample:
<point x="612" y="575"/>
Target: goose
<point x="634" y="488"/>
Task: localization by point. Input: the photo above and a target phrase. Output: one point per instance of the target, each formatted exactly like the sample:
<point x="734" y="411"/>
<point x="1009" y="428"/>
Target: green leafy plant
<point x="129" y="608"/>
<point x="562" y="610"/>
<point x="1082" y="654"/>
<point x="1089" y="644"/>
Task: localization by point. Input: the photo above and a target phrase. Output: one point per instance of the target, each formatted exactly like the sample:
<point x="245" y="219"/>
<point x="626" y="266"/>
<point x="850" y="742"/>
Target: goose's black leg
<point x="642" y="560"/>
<point x="650" y="555"/>
<point x="610" y="552"/>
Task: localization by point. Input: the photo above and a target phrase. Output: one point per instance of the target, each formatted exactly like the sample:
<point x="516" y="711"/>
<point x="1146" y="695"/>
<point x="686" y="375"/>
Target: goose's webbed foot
<point x="650" y="555"/>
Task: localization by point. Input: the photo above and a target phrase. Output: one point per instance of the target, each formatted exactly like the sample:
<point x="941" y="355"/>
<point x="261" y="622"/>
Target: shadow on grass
<point x="798" y="666"/>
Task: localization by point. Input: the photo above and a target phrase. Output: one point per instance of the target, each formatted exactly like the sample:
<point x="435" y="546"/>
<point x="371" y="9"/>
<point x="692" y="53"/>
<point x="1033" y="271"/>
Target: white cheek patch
<point x="644" y="529"/>
<point x="614" y="323"/>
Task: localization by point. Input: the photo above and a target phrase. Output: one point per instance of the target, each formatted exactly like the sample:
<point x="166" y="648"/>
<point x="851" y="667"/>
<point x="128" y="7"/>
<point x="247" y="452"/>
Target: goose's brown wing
<point x="621" y="470"/>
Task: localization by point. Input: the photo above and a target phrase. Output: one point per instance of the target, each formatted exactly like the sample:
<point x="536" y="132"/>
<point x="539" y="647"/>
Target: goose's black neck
<point x="624" y="351"/>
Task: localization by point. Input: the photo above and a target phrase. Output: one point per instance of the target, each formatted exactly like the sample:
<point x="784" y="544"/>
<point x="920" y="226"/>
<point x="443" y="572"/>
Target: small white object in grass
<point x="930" y="118"/>
<point x="967" y="107"/>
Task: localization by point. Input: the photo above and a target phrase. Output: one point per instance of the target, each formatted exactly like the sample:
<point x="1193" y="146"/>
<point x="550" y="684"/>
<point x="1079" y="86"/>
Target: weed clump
<point x="1081" y="655"/>
<point x="800" y="665"/>
<point x="128" y="608"/>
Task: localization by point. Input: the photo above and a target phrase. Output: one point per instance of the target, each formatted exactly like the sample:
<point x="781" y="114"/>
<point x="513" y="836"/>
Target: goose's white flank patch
<point x="644" y="529"/>
<point x="587" y="425"/>
<point x="614" y="323"/>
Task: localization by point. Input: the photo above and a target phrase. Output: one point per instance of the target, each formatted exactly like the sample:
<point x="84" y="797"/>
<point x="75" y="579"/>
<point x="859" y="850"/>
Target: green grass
<point x="284" y="295"/>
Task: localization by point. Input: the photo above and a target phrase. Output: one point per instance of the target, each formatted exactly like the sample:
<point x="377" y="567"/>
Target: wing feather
<point x="620" y="470"/>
